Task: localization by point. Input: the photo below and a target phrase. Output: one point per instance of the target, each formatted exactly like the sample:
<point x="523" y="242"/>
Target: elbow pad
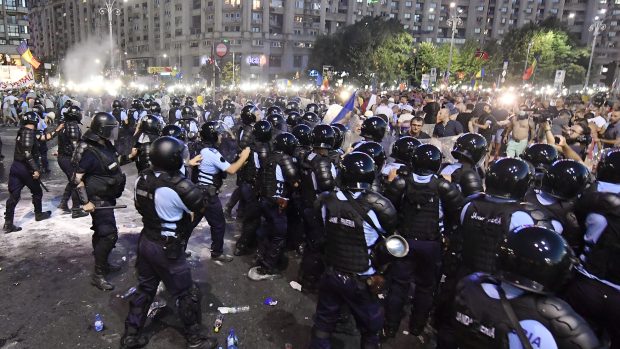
<point x="395" y="189"/>
<point x="385" y="211"/>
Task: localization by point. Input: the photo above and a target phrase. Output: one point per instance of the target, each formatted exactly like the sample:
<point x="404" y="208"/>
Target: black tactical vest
<point x="145" y="204"/>
<point x="109" y="181"/>
<point x="345" y="247"/>
<point x="68" y="138"/>
<point x="419" y="214"/>
<point x="142" y="160"/>
<point x="484" y="227"/>
<point x="269" y="184"/>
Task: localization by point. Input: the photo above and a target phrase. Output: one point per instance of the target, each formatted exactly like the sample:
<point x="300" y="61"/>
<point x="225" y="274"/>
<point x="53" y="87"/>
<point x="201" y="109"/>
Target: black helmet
<point x="277" y="121"/>
<point x="313" y="108"/>
<point x="374" y="128"/>
<point x="540" y="155"/>
<point x="208" y="132"/>
<point x="249" y="114"/>
<point x="267" y="102"/>
<point x="402" y="149"/>
<point x="470" y="146"/>
<point x="599" y="99"/>
<point x="117" y="104"/>
<point x="187" y="112"/>
<point x="176" y="102"/>
<point x="37" y="101"/>
<point x="357" y="171"/>
<point x="280" y="101"/>
<point x="73" y="114"/>
<point x="30" y="118"/>
<point x="262" y="131"/>
<point x="535" y="259"/>
<point x="286" y="143"/>
<point x="310" y="119"/>
<point x="340" y="131"/>
<point x="376" y="152"/>
<point x="273" y="110"/>
<point x="608" y="168"/>
<point x="147" y="103"/>
<point x="323" y="136"/>
<point x="426" y="159"/>
<point x="39" y="110"/>
<point x="155" y="108"/>
<point x="68" y="103"/>
<point x="508" y="178"/>
<point x="151" y="124"/>
<point x="166" y="153"/>
<point x="565" y="179"/>
<point x="173" y="131"/>
<point x="293" y="118"/>
<point x="137" y="104"/>
<point x="210" y="106"/>
<point x="104" y="125"/>
<point x="303" y="133"/>
<point x="189" y="101"/>
<point x="293" y="106"/>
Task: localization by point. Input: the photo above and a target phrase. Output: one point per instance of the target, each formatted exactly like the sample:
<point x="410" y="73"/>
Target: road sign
<point x="559" y="79"/>
<point x="425" y="82"/>
<point x="221" y="49"/>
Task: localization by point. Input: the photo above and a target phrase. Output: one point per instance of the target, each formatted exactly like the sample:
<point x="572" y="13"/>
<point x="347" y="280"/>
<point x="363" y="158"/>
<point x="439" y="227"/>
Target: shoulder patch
<point x="222" y="159"/>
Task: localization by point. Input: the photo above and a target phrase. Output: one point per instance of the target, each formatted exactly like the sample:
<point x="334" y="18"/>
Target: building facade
<point x="13" y="27"/>
<point x="273" y="38"/>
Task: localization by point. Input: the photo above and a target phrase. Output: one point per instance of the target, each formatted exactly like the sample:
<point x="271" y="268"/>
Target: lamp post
<point x="596" y="27"/>
<point x="111" y="10"/>
<point x="453" y="21"/>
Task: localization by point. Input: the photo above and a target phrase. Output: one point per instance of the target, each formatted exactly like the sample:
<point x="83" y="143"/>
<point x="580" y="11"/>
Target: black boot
<point x="99" y="281"/>
<point x="40" y="216"/>
<point x="9" y="227"/>
<point x="196" y="339"/>
<point x="79" y="214"/>
<point x="64" y="206"/>
<point x="132" y="339"/>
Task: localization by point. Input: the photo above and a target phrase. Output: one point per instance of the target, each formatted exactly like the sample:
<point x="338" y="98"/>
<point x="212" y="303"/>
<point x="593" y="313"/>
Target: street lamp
<point x="596" y="27"/>
<point x="111" y="10"/>
<point x="453" y="21"/>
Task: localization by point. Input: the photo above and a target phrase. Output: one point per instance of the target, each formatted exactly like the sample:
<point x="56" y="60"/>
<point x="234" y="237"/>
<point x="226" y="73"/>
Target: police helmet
<point x="508" y="178"/>
<point x="167" y="153"/>
<point x="357" y="171"/>
<point x="116" y="104"/>
<point x="174" y="131"/>
<point x="209" y="132"/>
<point x="137" y="104"/>
<point x="189" y="101"/>
<point x="313" y="108"/>
<point x="373" y="128"/>
<point x="303" y="133"/>
<point x="37" y="101"/>
<point x="311" y="119"/>
<point x="39" y="110"/>
<point x="151" y="124"/>
<point x="147" y="103"/>
<point x="340" y="131"/>
<point x="540" y="155"/>
<point x="426" y="159"/>
<point x="277" y="121"/>
<point x="155" y="108"/>
<point x="292" y="105"/>
<point x="565" y="179"/>
<point x="104" y="125"/>
<point x="286" y="143"/>
<point x="68" y="103"/>
<point x="187" y="112"/>
<point x="176" y="102"/>
<point x="323" y="136"/>
<point x="376" y="152"/>
<point x="599" y="99"/>
<point x="262" y="131"/>
<point x="535" y="259"/>
<point x="280" y="101"/>
<point x="470" y="147"/>
<point x="30" y="118"/>
<point x="273" y="110"/>
<point x="73" y="114"/>
<point x="293" y="118"/>
<point x="608" y="168"/>
<point x="402" y="149"/>
<point x="249" y="114"/>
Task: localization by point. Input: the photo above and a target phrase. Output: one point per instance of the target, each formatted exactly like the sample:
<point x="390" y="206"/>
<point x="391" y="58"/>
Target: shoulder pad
<point x="79" y="151"/>
<point x="27" y="138"/>
<point x="470" y="182"/>
<point x="73" y="131"/>
<point x="567" y="326"/>
<point x="289" y="169"/>
<point x="321" y="167"/>
<point x="395" y="189"/>
<point x="383" y="208"/>
<point x="450" y="195"/>
<point x="540" y="217"/>
<point x="604" y="203"/>
<point x="190" y="194"/>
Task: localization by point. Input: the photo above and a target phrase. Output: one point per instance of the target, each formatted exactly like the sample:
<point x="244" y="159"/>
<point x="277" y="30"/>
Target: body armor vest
<point x="419" y="215"/>
<point x="484" y="227"/>
<point x="110" y="181"/>
<point x="244" y="136"/>
<point x="270" y="186"/>
<point x="345" y="247"/>
<point x="316" y="170"/>
<point x="145" y="204"/>
<point x="68" y="139"/>
<point x="25" y="150"/>
<point x="142" y="160"/>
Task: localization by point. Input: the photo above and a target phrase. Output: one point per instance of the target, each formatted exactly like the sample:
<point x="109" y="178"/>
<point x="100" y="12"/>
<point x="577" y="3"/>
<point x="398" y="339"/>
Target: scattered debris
<point x="295" y="285"/>
<point x="270" y="301"/>
<point x="155" y="308"/>
<point x="129" y="292"/>
<point x="217" y="325"/>
<point x="233" y="310"/>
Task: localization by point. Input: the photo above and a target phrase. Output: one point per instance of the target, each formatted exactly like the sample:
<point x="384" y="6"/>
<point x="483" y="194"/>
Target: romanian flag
<point x="27" y="56"/>
<point x="530" y="70"/>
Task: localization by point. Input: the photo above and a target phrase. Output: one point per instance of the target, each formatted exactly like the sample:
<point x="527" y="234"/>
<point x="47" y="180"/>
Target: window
<point x="477" y="30"/>
<point x="256" y="16"/>
<point x="408" y="3"/>
<point x="257" y="42"/>
<point x="275" y="61"/>
<point x="299" y="19"/>
<point x="276" y="44"/>
<point x="297" y="61"/>
<point x="431" y="17"/>
<point x="255" y="29"/>
<point x="407" y="16"/>
<point x="297" y="31"/>
<point x="256" y="5"/>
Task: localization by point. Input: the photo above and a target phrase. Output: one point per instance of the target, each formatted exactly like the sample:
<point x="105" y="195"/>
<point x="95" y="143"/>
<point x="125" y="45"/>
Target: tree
<point x="227" y="74"/>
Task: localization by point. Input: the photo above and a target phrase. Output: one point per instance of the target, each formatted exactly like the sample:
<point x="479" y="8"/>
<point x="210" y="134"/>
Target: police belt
<point x="362" y="278"/>
<point x="209" y="189"/>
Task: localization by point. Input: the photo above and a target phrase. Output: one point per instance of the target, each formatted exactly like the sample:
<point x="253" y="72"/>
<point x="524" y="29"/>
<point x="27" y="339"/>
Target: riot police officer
<point x="188" y="122"/>
<point x="376" y="152"/>
<point x="174" y="113"/>
<point x="293" y="118"/>
<point x="402" y="152"/>
<point x="125" y="132"/>
<point x="295" y="237"/>
<point x="595" y="291"/>
<point x="354" y="220"/>
<point x="25" y="172"/>
<point x="211" y="172"/>
<point x="515" y="307"/>
<point x="310" y="119"/>
<point x="68" y="139"/>
<point x="317" y="175"/>
<point x="373" y="129"/>
<point x="150" y="128"/>
<point x="165" y="199"/>
<point x="468" y="150"/>
<point x="99" y="182"/>
<point x="541" y="156"/>
<point x="561" y="184"/>
<point x="278" y="122"/>
<point x="279" y="178"/>
<point x="429" y="206"/>
<point x="336" y="153"/>
<point x="135" y="114"/>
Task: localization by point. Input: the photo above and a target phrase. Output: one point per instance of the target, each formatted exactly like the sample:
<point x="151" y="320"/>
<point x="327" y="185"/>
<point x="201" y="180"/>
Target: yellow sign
<point x="159" y="70"/>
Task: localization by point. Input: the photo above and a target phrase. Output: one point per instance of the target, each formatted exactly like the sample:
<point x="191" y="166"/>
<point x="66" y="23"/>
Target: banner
<point x="25" y="81"/>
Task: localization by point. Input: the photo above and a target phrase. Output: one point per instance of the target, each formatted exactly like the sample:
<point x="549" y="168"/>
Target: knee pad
<point x="189" y="306"/>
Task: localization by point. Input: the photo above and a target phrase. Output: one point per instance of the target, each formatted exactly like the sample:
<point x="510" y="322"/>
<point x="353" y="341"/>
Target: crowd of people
<point x="514" y="244"/>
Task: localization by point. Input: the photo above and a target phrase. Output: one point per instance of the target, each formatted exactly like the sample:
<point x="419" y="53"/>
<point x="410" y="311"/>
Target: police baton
<point x="103" y="208"/>
<point x="42" y="185"/>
